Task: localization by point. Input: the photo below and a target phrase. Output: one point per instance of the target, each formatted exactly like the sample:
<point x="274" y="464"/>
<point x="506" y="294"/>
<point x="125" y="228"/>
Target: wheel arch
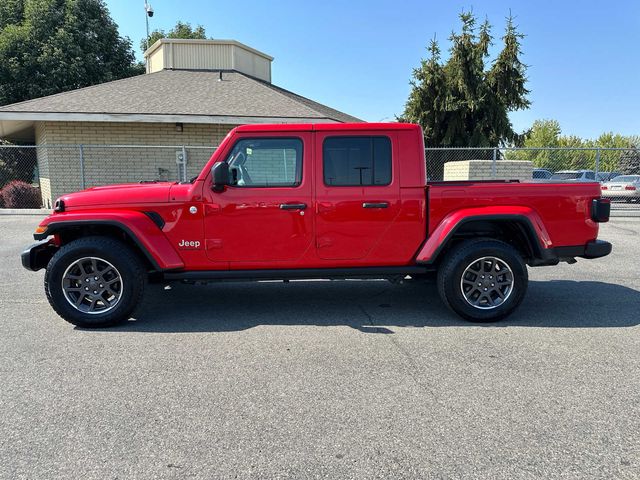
<point x="143" y="235"/>
<point x="521" y="231"/>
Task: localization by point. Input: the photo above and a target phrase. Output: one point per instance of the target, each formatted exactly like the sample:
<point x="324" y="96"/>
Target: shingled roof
<point x="178" y="96"/>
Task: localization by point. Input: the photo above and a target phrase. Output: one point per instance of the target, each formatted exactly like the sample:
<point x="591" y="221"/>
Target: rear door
<point x="357" y="193"/>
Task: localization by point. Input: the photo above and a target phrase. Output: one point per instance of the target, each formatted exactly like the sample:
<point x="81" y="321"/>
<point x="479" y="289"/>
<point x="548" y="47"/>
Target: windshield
<point x="626" y="178"/>
<point x="566" y="176"/>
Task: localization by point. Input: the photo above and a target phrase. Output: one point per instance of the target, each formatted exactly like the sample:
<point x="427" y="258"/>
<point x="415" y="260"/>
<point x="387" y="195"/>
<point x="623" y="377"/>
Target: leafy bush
<point x="16" y="163"/>
<point x="19" y="194"/>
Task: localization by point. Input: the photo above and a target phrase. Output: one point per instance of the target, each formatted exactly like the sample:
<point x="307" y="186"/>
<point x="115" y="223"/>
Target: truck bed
<point x="563" y="208"/>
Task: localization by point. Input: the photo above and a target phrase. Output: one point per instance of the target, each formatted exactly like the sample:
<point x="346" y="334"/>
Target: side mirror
<point x="220" y="175"/>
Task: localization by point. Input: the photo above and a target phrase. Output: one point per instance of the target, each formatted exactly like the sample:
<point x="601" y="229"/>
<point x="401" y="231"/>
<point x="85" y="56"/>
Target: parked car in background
<point x="623" y="187"/>
<point x="575" y="175"/>
<point x="541" y="174"/>
<point x="606" y="176"/>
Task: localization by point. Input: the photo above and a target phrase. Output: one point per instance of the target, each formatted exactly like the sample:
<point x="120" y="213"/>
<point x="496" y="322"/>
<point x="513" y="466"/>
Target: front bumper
<point x="37" y="256"/>
<point x="620" y="194"/>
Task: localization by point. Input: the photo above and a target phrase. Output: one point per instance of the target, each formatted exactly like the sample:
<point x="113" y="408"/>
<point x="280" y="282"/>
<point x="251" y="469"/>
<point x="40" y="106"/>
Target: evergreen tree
<point x="461" y="102"/>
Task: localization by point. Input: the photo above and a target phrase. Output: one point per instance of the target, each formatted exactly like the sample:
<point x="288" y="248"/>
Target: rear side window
<point x="356" y="161"/>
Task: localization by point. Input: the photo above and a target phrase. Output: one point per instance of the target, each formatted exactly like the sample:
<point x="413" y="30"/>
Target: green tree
<point x="52" y="46"/>
<point x="10" y="12"/>
<point x="570" y="152"/>
<point x="181" y="30"/>
<point x="464" y="102"/>
<point x="543" y="133"/>
<point x="625" y="160"/>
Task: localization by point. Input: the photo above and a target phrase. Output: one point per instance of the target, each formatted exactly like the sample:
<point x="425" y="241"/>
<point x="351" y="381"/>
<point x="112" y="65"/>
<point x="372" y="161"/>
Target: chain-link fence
<point x="600" y="164"/>
<point x="33" y="176"/>
<point x="603" y="165"/>
<point x="19" y="179"/>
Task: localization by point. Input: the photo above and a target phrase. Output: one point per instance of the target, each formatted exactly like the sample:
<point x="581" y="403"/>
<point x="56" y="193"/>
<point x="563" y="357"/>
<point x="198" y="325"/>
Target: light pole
<point x="148" y="13"/>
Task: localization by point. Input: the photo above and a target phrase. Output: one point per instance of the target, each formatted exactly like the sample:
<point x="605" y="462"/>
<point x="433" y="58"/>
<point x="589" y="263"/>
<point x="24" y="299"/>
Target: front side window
<point x="266" y="162"/>
<point x="356" y="161"/>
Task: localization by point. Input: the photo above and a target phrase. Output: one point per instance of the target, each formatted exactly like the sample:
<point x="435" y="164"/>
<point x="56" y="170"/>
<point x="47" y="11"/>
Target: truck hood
<point x="129" y="193"/>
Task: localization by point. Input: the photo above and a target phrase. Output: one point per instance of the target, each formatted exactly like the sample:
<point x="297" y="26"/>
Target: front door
<point x="266" y="215"/>
<point x="358" y="195"/>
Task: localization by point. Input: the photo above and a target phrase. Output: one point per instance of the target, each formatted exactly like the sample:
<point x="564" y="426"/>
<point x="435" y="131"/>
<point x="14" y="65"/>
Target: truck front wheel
<point x="483" y="280"/>
<point x="94" y="282"/>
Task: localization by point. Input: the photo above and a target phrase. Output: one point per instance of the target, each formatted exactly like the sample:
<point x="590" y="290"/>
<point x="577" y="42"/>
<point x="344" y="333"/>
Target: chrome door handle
<point x="293" y="206"/>
<point x="375" y="205"/>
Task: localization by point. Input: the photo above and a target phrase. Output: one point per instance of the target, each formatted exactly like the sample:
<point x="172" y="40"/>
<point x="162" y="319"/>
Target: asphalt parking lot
<point x="326" y="379"/>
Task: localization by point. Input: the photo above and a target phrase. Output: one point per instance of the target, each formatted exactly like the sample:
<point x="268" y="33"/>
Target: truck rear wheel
<point x="94" y="282"/>
<point x="483" y="280"/>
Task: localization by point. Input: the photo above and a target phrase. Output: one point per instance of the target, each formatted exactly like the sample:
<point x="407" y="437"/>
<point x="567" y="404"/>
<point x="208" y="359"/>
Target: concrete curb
<point x="25" y="211"/>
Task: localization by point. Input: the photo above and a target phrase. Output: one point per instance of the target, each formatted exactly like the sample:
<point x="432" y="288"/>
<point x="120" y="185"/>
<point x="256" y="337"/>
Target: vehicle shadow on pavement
<point x="370" y="306"/>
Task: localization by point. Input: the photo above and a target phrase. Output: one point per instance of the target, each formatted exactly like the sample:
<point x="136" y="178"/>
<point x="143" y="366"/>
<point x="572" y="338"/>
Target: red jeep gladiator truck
<point x="313" y="201"/>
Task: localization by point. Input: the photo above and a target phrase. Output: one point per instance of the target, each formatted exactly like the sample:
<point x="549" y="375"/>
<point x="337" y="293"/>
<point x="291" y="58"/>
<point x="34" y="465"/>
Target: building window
<point x="266" y="162"/>
<point x="356" y="161"/>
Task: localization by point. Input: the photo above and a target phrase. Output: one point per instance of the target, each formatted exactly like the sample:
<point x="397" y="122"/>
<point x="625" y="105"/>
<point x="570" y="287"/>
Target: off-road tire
<point x="123" y="258"/>
<point x="456" y="262"/>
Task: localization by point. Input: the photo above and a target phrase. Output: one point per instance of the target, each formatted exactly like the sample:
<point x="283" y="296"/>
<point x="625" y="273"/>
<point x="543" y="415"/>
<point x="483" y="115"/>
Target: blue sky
<point x="357" y="56"/>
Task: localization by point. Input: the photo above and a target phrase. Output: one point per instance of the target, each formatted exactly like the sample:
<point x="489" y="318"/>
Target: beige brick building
<point x="161" y="125"/>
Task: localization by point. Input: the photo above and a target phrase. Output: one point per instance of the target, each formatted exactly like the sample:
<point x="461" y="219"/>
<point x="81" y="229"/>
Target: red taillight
<point x="629" y="187"/>
<point x="604" y="187"/>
